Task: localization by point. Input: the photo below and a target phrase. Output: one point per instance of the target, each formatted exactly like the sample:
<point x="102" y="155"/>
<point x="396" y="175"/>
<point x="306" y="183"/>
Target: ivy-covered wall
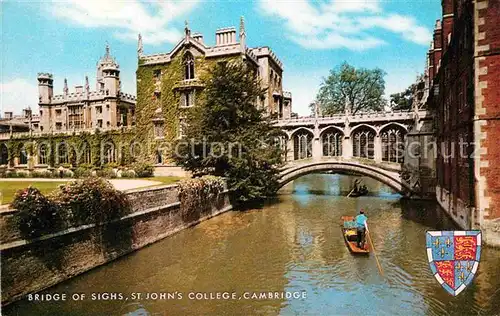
<point x="172" y="83"/>
<point x="122" y="141"/>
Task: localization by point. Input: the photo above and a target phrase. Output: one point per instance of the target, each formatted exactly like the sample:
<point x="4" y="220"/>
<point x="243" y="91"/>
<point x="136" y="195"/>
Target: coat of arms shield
<point x="454" y="257"/>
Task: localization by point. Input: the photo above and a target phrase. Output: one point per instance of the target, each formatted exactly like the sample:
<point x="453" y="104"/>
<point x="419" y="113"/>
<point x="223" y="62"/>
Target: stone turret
<point x="108" y="74"/>
<point x="45" y="88"/>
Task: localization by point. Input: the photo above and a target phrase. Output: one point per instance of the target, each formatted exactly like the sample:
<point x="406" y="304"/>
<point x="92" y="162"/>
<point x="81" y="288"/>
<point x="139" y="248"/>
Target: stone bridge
<point x="370" y="144"/>
<point x="387" y="173"/>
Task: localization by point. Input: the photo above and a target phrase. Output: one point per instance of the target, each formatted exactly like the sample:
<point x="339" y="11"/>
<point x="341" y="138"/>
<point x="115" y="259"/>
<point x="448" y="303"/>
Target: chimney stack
<point x="198" y="37"/>
<point x="225" y="36"/>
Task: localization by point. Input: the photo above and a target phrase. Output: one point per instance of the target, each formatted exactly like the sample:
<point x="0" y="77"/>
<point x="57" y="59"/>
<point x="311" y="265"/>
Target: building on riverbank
<point x="464" y="75"/>
<point x="84" y="127"/>
<point x="169" y="84"/>
<point x="105" y="108"/>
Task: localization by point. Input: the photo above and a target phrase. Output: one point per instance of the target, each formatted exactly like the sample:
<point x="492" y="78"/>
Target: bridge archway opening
<point x="363" y="142"/>
<point x="393" y="143"/>
<point x="302" y="144"/>
<point x="388" y="178"/>
<point x="331" y="141"/>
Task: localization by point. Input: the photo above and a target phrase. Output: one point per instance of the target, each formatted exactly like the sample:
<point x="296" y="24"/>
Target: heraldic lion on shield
<point x="454" y="257"/>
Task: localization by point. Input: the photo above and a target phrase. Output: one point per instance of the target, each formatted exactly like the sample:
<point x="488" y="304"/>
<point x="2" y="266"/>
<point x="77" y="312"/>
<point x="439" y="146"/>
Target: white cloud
<point x="342" y="24"/>
<point x="18" y="94"/>
<point x="126" y="18"/>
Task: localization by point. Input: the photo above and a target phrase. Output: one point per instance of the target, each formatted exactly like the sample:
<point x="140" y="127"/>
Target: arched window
<point x="362" y="143"/>
<point x="393" y="145"/>
<point x="302" y="145"/>
<point x="108" y="152"/>
<point x="4" y="154"/>
<point x="332" y="143"/>
<point x="188" y="66"/>
<point x="87" y="158"/>
<point x="43" y="154"/>
<point x="62" y="153"/>
<point x="83" y="154"/>
<point x="23" y="155"/>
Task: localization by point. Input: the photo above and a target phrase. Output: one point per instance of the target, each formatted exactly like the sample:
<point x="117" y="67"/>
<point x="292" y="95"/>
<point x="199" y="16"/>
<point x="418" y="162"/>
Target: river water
<point x="295" y="246"/>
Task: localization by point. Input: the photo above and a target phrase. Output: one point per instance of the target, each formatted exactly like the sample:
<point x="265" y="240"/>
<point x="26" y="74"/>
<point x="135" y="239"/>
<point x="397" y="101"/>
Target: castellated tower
<point x="45" y="88"/>
<point x="105" y="108"/>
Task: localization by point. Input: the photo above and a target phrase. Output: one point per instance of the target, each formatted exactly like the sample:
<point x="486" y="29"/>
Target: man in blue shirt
<point x="361" y="228"/>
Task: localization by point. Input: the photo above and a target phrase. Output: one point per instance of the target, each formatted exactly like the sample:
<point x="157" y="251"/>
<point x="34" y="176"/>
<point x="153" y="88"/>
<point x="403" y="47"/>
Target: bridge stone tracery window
<point x="302" y="145"/>
<point x="332" y="143"/>
<point x="363" y="143"/>
<point x="393" y="145"/>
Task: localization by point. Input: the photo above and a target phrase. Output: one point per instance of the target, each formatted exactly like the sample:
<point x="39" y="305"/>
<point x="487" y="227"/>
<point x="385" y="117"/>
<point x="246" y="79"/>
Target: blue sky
<point x="67" y="38"/>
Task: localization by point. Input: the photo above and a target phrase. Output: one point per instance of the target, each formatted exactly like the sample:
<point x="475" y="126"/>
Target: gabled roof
<point x="208" y="51"/>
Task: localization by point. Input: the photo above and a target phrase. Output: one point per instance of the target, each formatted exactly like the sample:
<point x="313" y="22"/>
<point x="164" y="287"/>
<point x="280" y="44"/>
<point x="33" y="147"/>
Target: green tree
<point x="362" y="89"/>
<point x="228" y="136"/>
<point x="403" y="100"/>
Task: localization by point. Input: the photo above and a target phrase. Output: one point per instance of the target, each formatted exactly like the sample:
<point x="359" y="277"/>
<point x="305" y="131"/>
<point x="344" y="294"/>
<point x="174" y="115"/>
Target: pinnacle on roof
<point x="107" y="59"/>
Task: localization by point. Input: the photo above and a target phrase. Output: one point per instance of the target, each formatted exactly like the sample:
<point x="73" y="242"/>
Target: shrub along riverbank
<point x="92" y="200"/>
<point x="87" y="223"/>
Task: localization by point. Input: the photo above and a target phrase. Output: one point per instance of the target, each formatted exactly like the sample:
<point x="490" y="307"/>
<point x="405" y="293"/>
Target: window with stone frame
<point x="23" y="155"/>
<point x="109" y="152"/>
<point x="363" y="143"/>
<point x="62" y="153"/>
<point x="188" y="98"/>
<point x="43" y="152"/>
<point x="159" y="129"/>
<point x="189" y="66"/>
<point x="75" y="116"/>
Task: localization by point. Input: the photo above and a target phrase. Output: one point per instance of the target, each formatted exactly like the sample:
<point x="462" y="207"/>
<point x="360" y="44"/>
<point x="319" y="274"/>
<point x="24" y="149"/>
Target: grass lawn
<point x="8" y="189"/>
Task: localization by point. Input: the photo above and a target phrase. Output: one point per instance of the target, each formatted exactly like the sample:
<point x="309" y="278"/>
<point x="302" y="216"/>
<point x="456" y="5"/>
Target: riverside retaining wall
<point x="31" y="266"/>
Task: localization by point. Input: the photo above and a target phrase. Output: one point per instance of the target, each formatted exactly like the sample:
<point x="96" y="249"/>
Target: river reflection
<point x="296" y="246"/>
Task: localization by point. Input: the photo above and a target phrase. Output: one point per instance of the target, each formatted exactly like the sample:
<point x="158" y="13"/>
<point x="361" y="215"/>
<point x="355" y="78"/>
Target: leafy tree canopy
<point x="403" y="100"/>
<point x="360" y="88"/>
<point x="229" y="136"/>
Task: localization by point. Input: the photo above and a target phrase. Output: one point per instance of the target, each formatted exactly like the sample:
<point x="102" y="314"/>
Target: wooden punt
<point x="350" y="236"/>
